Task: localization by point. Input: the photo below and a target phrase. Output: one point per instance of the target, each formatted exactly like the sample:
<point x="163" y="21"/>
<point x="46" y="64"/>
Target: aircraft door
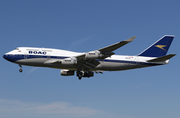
<point x="137" y="60"/>
<point x="26" y="55"/>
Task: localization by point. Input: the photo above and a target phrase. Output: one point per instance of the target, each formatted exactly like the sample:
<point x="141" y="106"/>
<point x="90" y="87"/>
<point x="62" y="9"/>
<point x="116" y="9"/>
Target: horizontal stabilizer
<point x="161" y="59"/>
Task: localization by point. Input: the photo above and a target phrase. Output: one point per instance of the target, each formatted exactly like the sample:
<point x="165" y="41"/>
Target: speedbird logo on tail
<point x="161" y="47"/>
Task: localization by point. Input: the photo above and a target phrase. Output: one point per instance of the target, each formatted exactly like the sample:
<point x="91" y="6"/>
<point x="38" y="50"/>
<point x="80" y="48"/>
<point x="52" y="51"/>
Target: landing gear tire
<point x="20" y="70"/>
<point x="80" y="77"/>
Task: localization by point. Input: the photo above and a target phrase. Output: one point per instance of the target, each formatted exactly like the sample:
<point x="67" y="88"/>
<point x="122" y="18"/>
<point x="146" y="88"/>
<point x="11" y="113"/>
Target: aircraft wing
<point x="106" y="51"/>
<point x="116" y="45"/>
<point x="88" y="60"/>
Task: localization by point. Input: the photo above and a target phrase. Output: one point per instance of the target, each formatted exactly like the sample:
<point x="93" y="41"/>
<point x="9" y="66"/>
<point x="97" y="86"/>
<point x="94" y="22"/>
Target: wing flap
<point x="89" y="64"/>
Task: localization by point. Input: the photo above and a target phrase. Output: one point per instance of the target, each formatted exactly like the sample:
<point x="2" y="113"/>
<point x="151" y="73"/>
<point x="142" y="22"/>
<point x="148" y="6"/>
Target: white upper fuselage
<point x="40" y="56"/>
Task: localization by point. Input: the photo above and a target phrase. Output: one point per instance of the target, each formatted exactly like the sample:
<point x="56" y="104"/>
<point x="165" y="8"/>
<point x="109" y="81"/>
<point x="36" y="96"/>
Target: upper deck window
<point x="47" y="50"/>
<point x="32" y="49"/>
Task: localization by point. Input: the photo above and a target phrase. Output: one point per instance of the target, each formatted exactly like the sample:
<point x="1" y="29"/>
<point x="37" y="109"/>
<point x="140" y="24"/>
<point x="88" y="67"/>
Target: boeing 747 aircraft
<point x="85" y="64"/>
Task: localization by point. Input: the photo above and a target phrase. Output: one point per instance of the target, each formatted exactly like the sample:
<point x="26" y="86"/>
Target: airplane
<point x="97" y="61"/>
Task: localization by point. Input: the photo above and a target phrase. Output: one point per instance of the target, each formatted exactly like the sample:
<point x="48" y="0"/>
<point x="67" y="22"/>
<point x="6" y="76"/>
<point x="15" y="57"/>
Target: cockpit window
<point x="17" y="49"/>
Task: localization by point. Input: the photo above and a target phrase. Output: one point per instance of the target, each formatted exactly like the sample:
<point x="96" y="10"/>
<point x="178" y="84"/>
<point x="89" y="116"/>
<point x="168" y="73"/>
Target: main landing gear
<point x="81" y="74"/>
<point x="20" y="70"/>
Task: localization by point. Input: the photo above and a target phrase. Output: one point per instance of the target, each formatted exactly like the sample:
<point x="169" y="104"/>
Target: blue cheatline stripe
<point x="14" y="58"/>
<point x="129" y="62"/>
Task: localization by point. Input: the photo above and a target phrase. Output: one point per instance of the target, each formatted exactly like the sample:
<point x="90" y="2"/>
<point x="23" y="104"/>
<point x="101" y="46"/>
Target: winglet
<point x="131" y="39"/>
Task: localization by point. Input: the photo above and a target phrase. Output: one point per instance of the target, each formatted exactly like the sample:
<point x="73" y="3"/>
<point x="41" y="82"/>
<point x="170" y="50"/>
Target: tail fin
<point x="159" y="48"/>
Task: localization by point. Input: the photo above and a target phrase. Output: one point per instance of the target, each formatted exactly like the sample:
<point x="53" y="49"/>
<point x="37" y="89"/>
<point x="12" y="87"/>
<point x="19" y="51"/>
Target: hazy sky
<point x="86" y="25"/>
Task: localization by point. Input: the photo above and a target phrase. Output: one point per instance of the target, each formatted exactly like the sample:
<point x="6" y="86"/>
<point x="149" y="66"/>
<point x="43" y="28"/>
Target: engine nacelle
<point x="93" y="55"/>
<point x="67" y="72"/>
<point x="69" y="61"/>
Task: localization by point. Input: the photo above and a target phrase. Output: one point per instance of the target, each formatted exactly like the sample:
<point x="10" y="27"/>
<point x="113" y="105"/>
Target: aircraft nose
<point x="8" y="57"/>
<point x="5" y="57"/>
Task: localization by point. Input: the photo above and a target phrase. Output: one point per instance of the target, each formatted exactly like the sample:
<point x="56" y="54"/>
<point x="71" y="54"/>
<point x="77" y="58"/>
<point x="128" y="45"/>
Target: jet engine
<point x="67" y="72"/>
<point x="93" y="55"/>
<point x="69" y="61"/>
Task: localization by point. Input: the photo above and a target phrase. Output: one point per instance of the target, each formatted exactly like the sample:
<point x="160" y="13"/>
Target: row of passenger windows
<point x="36" y="56"/>
<point x="35" y="50"/>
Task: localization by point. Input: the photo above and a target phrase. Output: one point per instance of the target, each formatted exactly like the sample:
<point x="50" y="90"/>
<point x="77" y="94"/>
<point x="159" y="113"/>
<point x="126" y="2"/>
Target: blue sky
<point x="85" y="25"/>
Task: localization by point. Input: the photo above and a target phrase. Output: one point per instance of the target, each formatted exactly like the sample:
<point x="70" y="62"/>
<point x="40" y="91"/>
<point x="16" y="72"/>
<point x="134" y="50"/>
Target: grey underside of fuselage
<point x="104" y="66"/>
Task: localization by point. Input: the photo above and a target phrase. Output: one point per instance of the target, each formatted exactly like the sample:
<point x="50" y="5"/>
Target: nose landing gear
<point x="20" y="70"/>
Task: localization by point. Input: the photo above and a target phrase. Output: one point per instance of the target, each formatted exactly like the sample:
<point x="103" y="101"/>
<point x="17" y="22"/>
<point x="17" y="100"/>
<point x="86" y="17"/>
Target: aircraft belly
<point x="32" y="61"/>
<point x="115" y="66"/>
<point x="104" y="65"/>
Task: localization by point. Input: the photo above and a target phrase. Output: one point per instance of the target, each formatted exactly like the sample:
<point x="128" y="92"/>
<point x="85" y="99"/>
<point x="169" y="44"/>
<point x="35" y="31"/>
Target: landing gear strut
<point x="79" y="74"/>
<point x="20" y="70"/>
